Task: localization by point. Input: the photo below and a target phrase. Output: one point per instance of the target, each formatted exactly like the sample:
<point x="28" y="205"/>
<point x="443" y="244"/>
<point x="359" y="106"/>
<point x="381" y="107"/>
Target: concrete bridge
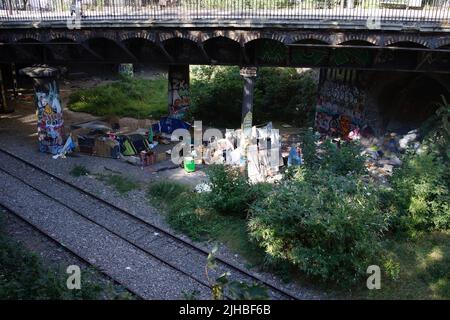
<point x="373" y="35"/>
<point x="411" y="35"/>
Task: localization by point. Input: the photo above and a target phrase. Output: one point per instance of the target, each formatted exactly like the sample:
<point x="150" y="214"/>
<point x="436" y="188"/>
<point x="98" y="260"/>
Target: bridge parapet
<point x="422" y="15"/>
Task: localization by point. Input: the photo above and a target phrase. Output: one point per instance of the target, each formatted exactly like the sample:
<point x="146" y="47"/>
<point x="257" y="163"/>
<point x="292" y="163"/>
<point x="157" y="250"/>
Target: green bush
<point x="167" y="190"/>
<point x="343" y="160"/>
<point x="421" y="192"/>
<point x="23" y="276"/>
<point x="327" y="225"/>
<point x="231" y="192"/>
<point x="436" y="129"/>
<point x="281" y="94"/>
<point x="191" y="214"/>
<point x="340" y="160"/>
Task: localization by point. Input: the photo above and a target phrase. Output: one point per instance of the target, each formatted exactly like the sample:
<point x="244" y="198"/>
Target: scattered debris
<point x="203" y="187"/>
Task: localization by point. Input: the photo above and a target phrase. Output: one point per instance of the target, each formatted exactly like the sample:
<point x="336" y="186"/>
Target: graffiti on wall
<point x="50" y="120"/>
<point x="340" y="109"/>
<point x="307" y="56"/>
<point x="179" y="98"/>
<point x="126" y="69"/>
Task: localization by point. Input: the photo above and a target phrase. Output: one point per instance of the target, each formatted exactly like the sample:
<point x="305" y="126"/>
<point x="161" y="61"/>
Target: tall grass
<point x="128" y="97"/>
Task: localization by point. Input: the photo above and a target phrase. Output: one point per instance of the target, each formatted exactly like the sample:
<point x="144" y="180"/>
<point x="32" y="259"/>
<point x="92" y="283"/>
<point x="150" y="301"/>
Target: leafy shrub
<point x="231" y="192"/>
<point x="23" y="276"/>
<point x="340" y="160"/>
<point x="281" y="94"/>
<point x="343" y="160"/>
<point x="392" y="268"/>
<point x="436" y="129"/>
<point x="327" y="225"/>
<point x="421" y="192"/>
<point x="189" y="214"/>
<point x="168" y="191"/>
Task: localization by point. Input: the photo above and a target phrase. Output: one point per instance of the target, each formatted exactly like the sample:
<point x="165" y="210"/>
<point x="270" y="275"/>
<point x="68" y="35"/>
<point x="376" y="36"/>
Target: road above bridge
<point x="393" y="15"/>
<point x="406" y="35"/>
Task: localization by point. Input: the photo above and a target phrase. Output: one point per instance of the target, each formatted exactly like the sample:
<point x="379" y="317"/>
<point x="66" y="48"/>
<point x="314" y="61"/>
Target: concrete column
<point x="126" y="69"/>
<point x="49" y="111"/>
<point x="14" y="80"/>
<point x="3" y="102"/>
<point x="179" y="97"/>
<point x="249" y="76"/>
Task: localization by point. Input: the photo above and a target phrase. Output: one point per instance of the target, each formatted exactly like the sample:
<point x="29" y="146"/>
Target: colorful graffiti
<point x="179" y="98"/>
<point x="340" y="109"/>
<point x="126" y="69"/>
<point x="50" y="119"/>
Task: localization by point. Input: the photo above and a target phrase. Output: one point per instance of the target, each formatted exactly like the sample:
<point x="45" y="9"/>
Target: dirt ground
<point x="19" y="128"/>
<point x="18" y="135"/>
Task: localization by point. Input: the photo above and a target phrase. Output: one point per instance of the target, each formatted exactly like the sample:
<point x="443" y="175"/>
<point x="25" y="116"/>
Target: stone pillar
<point x="126" y="69"/>
<point x="3" y="102"/>
<point x="14" y="80"/>
<point x="49" y="110"/>
<point x="249" y="76"/>
<point x="179" y="97"/>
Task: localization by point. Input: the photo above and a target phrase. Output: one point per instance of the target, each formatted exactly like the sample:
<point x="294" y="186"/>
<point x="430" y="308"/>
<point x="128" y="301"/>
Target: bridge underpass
<point x="370" y="37"/>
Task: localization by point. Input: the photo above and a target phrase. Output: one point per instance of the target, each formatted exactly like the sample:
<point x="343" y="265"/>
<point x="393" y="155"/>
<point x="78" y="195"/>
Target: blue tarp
<point x="169" y="125"/>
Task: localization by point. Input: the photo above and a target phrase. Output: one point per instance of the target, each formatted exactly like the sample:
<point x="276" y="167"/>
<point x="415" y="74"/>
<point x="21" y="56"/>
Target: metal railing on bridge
<point x="382" y="11"/>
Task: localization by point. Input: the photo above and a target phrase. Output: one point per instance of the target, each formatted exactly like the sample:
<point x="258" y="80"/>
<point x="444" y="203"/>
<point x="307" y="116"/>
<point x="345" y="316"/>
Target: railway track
<point x="48" y="237"/>
<point x="179" y="255"/>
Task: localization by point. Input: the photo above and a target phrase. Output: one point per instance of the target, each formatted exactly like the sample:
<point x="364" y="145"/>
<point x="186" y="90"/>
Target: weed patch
<point x="122" y="185"/>
<point x="128" y="97"/>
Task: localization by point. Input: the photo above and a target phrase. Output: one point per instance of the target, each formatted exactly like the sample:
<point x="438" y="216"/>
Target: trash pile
<point x="147" y="143"/>
<point x="261" y="152"/>
<point x="383" y="152"/>
<point x="141" y="146"/>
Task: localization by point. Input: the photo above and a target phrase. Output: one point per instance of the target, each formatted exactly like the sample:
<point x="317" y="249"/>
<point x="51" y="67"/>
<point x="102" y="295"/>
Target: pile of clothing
<point x="101" y="139"/>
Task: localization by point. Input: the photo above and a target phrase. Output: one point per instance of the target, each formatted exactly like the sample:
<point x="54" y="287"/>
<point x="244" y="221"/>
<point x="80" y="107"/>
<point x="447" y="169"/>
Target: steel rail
<point x="161" y="230"/>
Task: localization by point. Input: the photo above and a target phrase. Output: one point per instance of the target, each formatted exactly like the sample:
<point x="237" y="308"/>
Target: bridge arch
<point x="223" y="50"/>
<point x="357" y="42"/>
<point x="54" y="36"/>
<point x="266" y="51"/>
<point x="404" y="100"/>
<point x="65" y="47"/>
<point x="145" y="49"/>
<point x="30" y="49"/>
<point x="443" y="44"/>
<point x="358" y="39"/>
<point x="407" y="42"/>
<point x="138" y="35"/>
<point x="310" y="38"/>
<point x="194" y="37"/>
<point x="104" y="49"/>
<point x="185" y="50"/>
<point x="232" y="35"/>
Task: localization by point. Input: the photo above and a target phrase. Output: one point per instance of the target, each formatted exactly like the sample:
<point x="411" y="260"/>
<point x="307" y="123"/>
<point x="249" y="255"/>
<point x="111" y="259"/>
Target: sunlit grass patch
<point x="424" y="269"/>
<point x="128" y="97"/>
<point x="189" y="213"/>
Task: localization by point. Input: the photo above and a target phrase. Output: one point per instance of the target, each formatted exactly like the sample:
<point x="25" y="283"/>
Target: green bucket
<point x="189" y="164"/>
